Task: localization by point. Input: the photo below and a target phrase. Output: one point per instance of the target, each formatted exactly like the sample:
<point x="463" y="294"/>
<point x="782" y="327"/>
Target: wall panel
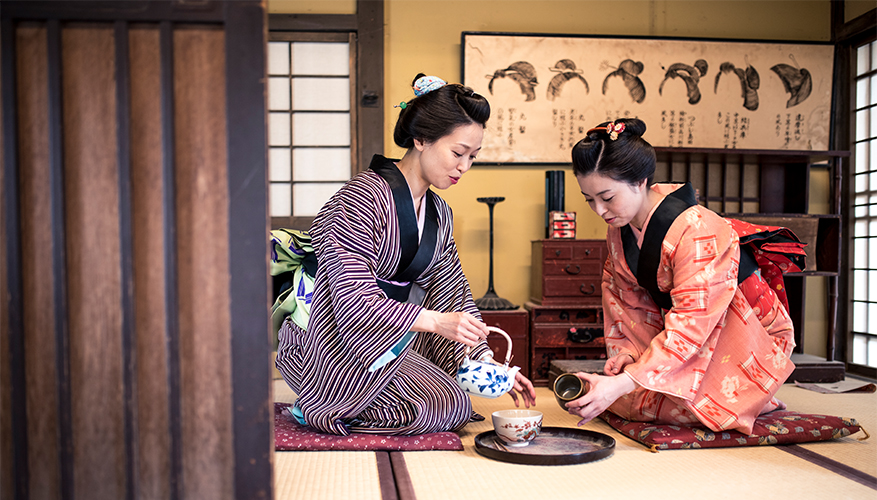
<point x="93" y="266"/>
<point x="36" y="231"/>
<point x="202" y="249"/>
<point x="148" y="237"/>
<point x="134" y="342"/>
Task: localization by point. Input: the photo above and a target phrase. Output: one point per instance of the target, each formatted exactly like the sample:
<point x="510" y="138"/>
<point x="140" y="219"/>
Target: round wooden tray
<point x="553" y="446"/>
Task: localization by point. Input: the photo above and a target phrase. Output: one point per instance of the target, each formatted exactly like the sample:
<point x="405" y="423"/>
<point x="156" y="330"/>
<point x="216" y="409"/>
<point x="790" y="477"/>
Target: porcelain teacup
<point x="517" y="427"/>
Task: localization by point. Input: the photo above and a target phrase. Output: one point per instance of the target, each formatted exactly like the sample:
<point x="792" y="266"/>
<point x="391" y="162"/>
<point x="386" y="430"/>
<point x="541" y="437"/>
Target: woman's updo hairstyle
<point x="627" y="157"/>
<point x="436" y="113"/>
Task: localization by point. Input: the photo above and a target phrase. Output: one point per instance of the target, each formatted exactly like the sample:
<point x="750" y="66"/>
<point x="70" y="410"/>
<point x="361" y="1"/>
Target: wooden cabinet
<point x="566" y="312"/>
<point x="566" y="271"/>
<point x="516" y="323"/>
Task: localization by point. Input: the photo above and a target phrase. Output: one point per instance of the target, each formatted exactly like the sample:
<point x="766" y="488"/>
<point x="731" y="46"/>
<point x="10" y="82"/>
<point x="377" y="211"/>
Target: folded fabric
<point x="294" y="263"/>
<point x="289" y="435"/>
<point x="777" y="427"/>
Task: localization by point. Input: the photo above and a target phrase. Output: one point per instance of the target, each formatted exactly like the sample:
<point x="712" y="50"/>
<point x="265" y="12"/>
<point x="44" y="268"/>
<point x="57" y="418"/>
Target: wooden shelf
<point x="772" y="187"/>
<point x="762" y="154"/>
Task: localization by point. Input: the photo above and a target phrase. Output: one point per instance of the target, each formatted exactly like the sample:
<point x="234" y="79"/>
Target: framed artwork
<point x="546" y="91"/>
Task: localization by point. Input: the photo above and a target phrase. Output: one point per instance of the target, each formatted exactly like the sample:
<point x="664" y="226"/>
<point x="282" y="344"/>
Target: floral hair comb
<point x="611" y="128"/>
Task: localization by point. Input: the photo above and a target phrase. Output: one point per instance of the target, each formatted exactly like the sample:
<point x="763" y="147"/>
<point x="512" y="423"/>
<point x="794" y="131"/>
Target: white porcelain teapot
<point x="487" y="379"/>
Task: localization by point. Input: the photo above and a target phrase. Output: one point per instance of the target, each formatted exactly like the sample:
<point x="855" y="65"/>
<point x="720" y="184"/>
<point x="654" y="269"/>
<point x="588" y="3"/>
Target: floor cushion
<point x="289" y="435"/>
<point x="777" y="427"/>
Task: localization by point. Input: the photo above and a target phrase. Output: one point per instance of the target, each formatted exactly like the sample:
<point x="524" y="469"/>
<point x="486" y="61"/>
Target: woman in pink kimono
<point x="694" y="333"/>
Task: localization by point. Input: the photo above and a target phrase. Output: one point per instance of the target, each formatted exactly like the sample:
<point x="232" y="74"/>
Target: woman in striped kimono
<point x="392" y="311"/>
<point x="694" y="333"/>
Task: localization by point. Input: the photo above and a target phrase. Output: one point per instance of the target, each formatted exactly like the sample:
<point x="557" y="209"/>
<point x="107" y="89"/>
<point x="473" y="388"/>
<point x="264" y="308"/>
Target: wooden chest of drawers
<point x="516" y="323"/>
<point x="566" y="310"/>
<point x="567" y="271"/>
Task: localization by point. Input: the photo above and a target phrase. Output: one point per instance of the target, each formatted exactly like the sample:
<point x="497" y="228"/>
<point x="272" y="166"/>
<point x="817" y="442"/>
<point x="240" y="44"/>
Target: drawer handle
<point x="582" y="336"/>
<point x="587" y="251"/>
<point x="557" y="253"/>
<point x="593" y="289"/>
<point x="569" y="266"/>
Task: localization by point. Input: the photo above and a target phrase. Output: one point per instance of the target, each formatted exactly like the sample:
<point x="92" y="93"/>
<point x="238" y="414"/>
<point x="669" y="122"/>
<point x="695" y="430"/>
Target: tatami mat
<point x="747" y="472"/>
<point x="317" y="475"/>
<point x="860" y="455"/>
<point x="754" y="472"/>
<point x="321" y="475"/>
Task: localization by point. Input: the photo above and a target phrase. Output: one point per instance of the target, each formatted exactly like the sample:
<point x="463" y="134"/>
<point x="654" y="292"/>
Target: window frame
<point x="365" y="29"/>
<point x="303" y="222"/>
<point x="871" y="169"/>
<point x="848" y="36"/>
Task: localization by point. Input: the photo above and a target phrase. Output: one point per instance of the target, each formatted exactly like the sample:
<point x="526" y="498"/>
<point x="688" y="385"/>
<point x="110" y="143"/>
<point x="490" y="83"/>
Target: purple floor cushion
<point x="289" y="435"/>
<point x="777" y="427"/>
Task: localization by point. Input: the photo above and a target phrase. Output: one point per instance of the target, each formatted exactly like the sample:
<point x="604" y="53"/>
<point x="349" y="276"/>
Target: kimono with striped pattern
<point x="353" y="324"/>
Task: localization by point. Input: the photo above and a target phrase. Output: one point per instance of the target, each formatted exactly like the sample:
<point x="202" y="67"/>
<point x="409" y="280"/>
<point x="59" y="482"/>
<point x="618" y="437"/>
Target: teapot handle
<point x="508" y="354"/>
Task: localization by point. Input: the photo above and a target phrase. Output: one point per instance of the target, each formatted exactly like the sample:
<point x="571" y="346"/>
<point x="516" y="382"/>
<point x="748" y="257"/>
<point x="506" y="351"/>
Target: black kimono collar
<point x="644" y="262"/>
<point x="415" y="257"/>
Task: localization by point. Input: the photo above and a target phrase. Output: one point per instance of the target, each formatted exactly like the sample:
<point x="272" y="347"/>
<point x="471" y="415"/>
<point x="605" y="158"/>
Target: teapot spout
<point x="513" y="370"/>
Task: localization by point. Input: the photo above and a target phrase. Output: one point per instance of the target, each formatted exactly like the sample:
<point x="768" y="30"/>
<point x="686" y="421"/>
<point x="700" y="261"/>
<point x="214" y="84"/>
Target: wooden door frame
<point x="846" y="35"/>
<point x="243" y="22"/>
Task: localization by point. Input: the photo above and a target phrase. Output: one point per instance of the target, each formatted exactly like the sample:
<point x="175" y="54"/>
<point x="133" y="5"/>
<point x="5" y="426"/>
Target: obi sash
<point x="644" y="262"/>
<point x="415" y="257"/>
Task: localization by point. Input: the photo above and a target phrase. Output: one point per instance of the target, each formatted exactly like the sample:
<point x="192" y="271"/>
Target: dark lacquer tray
<point x="553" y="446"/>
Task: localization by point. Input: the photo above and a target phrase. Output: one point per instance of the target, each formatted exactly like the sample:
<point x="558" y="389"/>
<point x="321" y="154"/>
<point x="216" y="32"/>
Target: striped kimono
<point x="358" y="367"/>
<point x="719" y="350"/>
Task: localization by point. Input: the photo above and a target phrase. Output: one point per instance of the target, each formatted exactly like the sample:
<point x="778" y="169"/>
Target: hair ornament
<point x="611" y="128"/>
<point x="402" y="105"/>
<point x="426" y="84"/>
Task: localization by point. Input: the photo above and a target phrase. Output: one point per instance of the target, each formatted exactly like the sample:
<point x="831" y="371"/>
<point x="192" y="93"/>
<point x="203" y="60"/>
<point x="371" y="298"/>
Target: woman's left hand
<point x="525" y="387"/>
<point x="602" y="393"/>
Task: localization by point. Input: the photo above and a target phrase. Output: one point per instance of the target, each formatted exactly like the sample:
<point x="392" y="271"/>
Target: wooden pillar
<point x="134" y="343"/>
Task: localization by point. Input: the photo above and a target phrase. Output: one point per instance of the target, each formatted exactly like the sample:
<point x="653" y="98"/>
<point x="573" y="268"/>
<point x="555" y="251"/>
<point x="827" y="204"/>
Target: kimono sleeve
<point x="348" y="237"/>
<point x="702" y="257"/>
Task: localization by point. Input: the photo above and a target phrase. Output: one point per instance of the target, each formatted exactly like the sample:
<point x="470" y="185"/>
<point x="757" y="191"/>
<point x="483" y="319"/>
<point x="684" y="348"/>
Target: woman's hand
<point x="616" y="364"/>
<point x="602" y="393"/>
<point x="525" y="387"/>
<point x="457" y="326"/>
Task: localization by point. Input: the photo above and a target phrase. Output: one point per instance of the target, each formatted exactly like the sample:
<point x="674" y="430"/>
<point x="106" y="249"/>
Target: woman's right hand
<point x="457" y="326"/>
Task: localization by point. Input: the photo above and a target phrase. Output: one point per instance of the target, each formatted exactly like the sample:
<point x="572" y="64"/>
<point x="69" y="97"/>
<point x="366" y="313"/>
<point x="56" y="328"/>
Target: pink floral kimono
<point x="718" y="350"/>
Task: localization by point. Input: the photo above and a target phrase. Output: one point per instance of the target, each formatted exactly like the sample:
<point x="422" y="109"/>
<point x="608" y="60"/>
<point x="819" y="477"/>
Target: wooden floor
<point x="840" y="469"/>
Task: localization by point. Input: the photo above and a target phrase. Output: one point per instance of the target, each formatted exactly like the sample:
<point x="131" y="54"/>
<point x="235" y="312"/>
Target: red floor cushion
<point x="777" y="427"/>
<point x="289" y="435"/>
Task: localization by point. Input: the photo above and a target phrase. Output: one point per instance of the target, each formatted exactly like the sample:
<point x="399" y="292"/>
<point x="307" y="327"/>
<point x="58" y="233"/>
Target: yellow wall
<point x="855" y="8"/>
<point x="424" y="36"/>
<point x="311" y="6"/>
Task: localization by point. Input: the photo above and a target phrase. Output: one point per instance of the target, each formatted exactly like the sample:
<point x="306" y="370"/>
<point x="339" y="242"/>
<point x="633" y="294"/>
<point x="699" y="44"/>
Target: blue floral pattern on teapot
<point x="485" y="378"/>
